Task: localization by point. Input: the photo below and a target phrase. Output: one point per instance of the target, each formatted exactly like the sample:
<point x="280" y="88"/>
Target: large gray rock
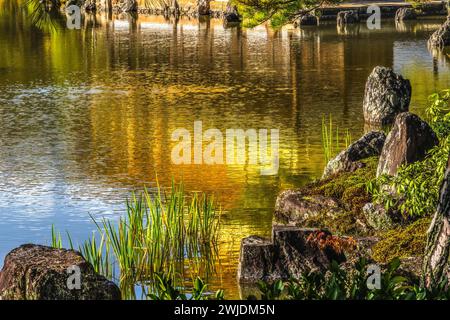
<point x="347" y="17"/>
<point x="386" y="95"/>
<point x="403" y="14"/>
<point x="290" y="253"/>
<point x="35" y="272"/>
<point x="408" y="141"/>
<point x="294" y="208"/>
<point x="308" y="20"/>
<point x="441" y="37"/>
<point x="348" y="160"/>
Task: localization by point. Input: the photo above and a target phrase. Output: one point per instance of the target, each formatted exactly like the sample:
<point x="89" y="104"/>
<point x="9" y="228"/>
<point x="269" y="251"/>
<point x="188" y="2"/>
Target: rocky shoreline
<point x="338" y="206"/>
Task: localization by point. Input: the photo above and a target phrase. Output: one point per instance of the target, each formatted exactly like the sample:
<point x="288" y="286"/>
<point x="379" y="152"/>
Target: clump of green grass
<point x="332" y="140"/>
<point x="162" y="233"/>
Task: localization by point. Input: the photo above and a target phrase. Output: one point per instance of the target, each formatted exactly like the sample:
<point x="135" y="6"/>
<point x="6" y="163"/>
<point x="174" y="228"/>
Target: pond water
<point x="86" y="116"/>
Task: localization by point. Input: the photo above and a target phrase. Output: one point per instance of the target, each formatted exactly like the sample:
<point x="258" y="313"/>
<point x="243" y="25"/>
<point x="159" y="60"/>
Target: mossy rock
<point x="402" y="242"/>
<point x="348" y="190"/>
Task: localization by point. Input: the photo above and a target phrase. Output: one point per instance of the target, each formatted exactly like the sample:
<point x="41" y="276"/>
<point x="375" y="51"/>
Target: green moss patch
<point x="402" y="242"/>
<point x="349" y="190"/>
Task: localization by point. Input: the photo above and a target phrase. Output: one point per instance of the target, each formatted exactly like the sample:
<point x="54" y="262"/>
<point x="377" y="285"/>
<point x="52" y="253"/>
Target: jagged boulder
<point x="386" y="95"/>
<point x="407" y="142"/>
<point x="291" y="252"/>
<point x="294" y="208"/>
<point x="35" y="272"/>
<point x="347" y="17"/>
<point x="348" y="160"/>
<point x="403" y="14"/>
<point x="441" y="37"/>
<point x="308" y="20"/>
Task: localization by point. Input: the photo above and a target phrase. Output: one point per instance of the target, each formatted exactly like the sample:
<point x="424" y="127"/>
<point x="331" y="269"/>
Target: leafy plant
<point x="351" y="283"/>
<point x="414" y="191"/>
<point x="165" y="290"/>
<point x="270" y="291"/>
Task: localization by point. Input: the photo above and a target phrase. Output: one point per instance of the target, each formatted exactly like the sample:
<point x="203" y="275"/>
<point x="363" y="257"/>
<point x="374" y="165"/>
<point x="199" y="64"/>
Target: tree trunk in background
<point x="203" y="7"/>
<point x="436" y="261"/>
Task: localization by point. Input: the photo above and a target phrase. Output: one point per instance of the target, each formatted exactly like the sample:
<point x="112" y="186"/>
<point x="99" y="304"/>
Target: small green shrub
<point x="165" y="290"/>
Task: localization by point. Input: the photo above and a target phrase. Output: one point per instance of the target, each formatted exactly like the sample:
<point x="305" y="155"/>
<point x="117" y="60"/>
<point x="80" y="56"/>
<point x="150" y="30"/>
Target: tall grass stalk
<point x="169" y="233"/>
<point x="332" y="142"/>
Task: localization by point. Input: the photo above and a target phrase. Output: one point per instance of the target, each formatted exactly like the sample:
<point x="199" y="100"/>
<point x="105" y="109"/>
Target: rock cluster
<point x="289" y="253"/>
<point x="386" y="101"/>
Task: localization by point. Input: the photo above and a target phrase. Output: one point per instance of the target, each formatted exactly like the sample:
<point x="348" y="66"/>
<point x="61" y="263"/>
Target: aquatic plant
<point x="332" y="142"/>
<point x="162" y="233"/>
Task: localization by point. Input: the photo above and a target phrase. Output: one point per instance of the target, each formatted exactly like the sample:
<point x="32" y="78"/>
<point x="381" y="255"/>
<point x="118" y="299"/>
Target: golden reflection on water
<point x="87" y="116"/>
